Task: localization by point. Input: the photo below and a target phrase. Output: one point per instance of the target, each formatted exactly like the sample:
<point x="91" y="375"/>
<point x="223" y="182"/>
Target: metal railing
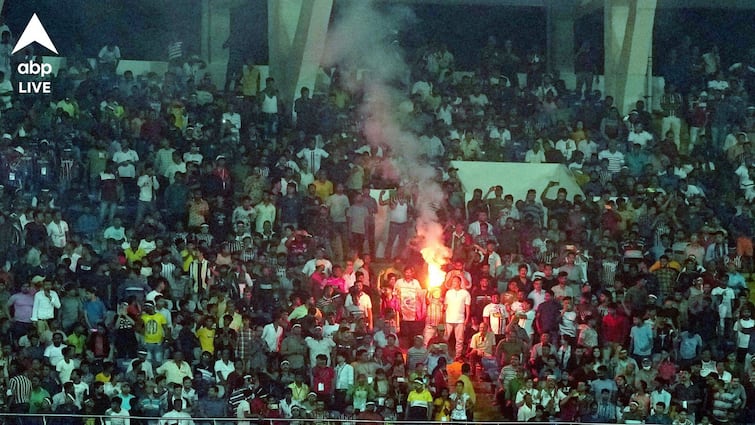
<point x="54" y="418"/>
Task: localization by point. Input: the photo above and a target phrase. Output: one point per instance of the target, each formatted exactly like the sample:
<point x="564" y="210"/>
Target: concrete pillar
<point x="216" y="27"/>
<point x="628" y="41"/>
<point x="561" y="39"/>
<point x="297" y="31"/>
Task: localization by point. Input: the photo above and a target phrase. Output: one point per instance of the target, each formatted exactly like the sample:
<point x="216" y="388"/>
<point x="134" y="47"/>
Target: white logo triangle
<point x="34" y="32"/>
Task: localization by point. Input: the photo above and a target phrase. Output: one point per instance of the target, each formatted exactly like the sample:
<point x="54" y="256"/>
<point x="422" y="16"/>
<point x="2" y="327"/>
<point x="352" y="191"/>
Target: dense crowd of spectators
<point x="173" y="251"/>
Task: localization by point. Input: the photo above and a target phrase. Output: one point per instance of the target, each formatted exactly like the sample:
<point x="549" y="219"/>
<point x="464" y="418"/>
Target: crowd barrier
<point x="52" y="418"/>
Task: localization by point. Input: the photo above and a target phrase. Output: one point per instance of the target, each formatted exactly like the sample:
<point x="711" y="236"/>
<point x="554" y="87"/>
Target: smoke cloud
<point x="363" y="39"/>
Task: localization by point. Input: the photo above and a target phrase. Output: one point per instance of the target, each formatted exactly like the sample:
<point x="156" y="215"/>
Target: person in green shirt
<point x="77" y="338"/>
<point x="37" y="395"/>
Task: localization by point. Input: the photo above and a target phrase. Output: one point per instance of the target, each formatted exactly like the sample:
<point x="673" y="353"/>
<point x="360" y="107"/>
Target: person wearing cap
<point x="145" y="365"/>
<point x="633" y="414"/>
<point x="293" y="348"/>
<point x="419" y="402"/>
<point x="319" y="345"/>
<point x="370" y="416"/>
<point x="222" y="177"/>
<point x="639" y="136"/>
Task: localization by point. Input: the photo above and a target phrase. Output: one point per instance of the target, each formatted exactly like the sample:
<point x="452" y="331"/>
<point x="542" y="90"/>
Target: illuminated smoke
<point x="364" y="38"/>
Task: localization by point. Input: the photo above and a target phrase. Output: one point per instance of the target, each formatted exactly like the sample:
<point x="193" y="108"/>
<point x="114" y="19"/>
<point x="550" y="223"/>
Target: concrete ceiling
<point x="587" y="6"/>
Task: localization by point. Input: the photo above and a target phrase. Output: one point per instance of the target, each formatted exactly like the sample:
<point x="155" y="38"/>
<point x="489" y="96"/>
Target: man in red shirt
<point x="615" y="327"/>
<point x="323" y="378"/>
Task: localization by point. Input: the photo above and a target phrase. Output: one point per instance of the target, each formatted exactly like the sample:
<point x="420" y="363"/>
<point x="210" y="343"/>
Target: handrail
<point x="104" y="418"/>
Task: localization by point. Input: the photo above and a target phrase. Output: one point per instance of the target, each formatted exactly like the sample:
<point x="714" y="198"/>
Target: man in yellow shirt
<point x="155" y="328"/>
<point x="419" y="402"/>
<point x="133" y="253"/>
<point x="323" y="186"/>
<point x="206" y="335"/>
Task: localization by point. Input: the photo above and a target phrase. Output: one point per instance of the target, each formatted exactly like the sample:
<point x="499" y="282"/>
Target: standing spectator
<point x="457" y="302"/>
<point x="59" y="232"/>
<point x="126" y="160"/>
<point x="155" y="329"/>
<point x="338" y="207"/>
<point x="108" y="59"/>
<point x="672" y="104"/>
<point x="148" y="187"/>
<point x="46" y="301"/>
<point x="399" y="216"/>
<point x="584" y="66"/>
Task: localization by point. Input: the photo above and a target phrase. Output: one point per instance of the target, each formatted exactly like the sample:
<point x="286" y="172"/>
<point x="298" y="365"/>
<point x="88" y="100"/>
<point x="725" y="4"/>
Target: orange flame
<point x="436" y="256"/>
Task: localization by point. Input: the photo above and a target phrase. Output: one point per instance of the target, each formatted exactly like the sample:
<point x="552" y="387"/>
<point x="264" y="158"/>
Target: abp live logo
<point x="34" y="33"/>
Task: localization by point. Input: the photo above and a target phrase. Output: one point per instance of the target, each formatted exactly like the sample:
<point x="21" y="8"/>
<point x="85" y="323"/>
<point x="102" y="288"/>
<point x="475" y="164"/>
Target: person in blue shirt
<point x="94" y="309"/>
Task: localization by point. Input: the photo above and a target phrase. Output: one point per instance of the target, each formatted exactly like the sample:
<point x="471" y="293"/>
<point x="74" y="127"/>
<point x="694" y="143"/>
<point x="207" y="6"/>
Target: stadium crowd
<point x="174" y="251"/>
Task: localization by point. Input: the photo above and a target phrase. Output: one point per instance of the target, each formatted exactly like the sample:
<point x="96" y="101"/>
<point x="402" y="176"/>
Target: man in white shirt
<point x="588" y="148"/>
<point x="317" y="344"/>
<point x="408" y="291"/>
<point x="639" y="136"/>
<point x="566" y="145"/>
<point x="659" y="394"/>
<point x="272" y="333"/>
<point x="176" y="165"/>
<point x="481" y="230"/>
<point x="264" y="211"/>
<point x="58" y="231"/>
<point x="148" y="186"/>
<point x="496" y="316"/>
<point x="344" y="379"/>
<point x="177" y="416"/>
<point x="313" y="156"/>
<point x="457" y="303"/>
<point x="117" y="415"/>
<point x="116" y="232"/>
<point x="311" y="265"/>
<point x="244" y="412"/>
<point x="535" y="155"/>
<point x="500" y="134"/>
<point x="45" y="303"/>
<point x="232" y="118"/>
<point x="126" y="159"/>
<point x="614" y="157"/>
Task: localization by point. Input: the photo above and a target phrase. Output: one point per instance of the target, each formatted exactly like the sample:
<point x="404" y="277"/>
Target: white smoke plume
<point x="364" y="38"/>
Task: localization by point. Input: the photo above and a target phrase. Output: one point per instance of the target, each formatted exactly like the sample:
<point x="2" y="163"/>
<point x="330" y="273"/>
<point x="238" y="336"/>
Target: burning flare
<point x="436" y="256"/>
